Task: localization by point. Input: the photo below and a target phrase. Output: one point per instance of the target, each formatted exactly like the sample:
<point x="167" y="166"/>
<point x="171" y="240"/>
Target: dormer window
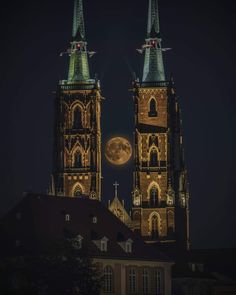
<point x="127" y="245"/>
<point x="101" y="244"/>
<point x="67" y="217"/>
<point x="128" y="248"/>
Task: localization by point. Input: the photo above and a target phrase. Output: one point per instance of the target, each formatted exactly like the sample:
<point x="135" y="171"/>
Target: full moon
<point x="118" y="150"/>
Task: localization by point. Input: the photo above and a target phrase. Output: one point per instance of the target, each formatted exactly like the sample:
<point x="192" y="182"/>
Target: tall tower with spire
<point x="77" y="135"/>
<point x="160" y="188"/>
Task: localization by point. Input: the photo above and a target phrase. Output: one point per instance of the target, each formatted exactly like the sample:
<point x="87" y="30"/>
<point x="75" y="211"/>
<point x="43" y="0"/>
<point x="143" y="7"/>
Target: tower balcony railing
<point x="65" y="85"/>
<point x="77" y="170"/>
<point x="153" y="84"/>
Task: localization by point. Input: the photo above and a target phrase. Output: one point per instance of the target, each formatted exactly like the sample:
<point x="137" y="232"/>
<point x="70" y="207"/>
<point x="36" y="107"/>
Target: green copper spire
<point x="153" y="70"/>
<point x="78" y="68"/>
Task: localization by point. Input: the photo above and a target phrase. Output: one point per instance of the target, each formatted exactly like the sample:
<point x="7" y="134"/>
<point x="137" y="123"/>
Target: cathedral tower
<point x="77" y="138"/>
<point x="160" y="194"/>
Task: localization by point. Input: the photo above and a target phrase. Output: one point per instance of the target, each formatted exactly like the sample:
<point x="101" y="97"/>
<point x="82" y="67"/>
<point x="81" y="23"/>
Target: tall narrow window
<point x="78" y="160"/>
<point x="153" y="196"/>
<point x="132" y="281"/>
<point x="145" y="281"/>
<point x="153" y="158"/>
<point x="78" y="192"/>
<point x="154" y="225"/>
<point x="159" y="281"/>
<point x="108" y="280"/>
<point x="152" y="108"/>
<point x="77" y="124"/>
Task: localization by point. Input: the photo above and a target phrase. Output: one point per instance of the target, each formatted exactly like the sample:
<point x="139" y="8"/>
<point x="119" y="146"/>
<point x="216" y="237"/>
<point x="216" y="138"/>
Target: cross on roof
<point x="116" y="184"/>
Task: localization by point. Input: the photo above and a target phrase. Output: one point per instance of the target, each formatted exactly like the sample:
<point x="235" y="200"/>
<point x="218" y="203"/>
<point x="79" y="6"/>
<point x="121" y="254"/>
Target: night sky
<point x="202" y="35"/>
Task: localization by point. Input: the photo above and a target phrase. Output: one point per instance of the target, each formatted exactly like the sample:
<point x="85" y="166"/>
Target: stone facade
<point x="160" y="183"/>
<point x="77" y="147"/>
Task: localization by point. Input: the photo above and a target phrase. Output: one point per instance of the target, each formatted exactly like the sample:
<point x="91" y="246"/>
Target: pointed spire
<point x="78" y="32"/>
<point x="78" y="68"/>
<point x="153" y="70"/>
<point x="153" y="27"/>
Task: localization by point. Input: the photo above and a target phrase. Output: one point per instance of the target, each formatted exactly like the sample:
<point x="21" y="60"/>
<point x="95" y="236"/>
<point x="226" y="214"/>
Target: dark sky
<point x="202" y="36"/>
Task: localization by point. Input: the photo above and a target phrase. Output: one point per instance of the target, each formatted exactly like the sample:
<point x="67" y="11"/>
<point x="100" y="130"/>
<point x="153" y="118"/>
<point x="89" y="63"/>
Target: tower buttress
<point x="77" y="134"/>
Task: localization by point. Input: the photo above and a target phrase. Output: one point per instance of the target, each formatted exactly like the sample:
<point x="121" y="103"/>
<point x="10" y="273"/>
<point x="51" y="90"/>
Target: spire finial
<point x="79" y="67"/>
<point x="153" y="19"/>
<point x="116" y="184"/>
<point x="153" y="70"/>
<point x="78" y="32"/>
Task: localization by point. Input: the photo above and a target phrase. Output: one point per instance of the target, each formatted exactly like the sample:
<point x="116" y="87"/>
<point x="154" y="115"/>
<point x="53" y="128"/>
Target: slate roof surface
<point x="43" y="221"/>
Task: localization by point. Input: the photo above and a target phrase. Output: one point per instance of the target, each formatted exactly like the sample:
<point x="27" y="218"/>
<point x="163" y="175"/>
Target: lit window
<point x="132" y="281"/>
<point x="108" y="280"/>
<point x="145" y="280"/>
<point x="67" y="217"/>
<point x="159" y="280"/>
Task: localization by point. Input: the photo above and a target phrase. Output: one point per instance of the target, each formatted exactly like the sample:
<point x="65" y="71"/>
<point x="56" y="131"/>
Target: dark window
<point x="78" y="192"/>
<point x="78" y="160"/>
<point x="152" y="108"/>
<point x="153" y="158"/>
<point x="77" y="124"/>
<point x="154" y="196"/>
<point x="154" y="227"/>
<point x="153" y="139"/>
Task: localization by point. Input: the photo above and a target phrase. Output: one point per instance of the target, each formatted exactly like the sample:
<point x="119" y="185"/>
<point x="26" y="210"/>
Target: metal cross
<point x="116" y="184"/>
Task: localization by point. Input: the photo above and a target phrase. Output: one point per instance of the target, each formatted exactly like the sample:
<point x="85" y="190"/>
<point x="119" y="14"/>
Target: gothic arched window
<point x="77" y="123"/>
<point x="154" y="226"/>
<point x="153" y="139"/>
<point x="78" y="192"/>
<point x="108" y="280"/>
<point x="153" y="195"/>
<point x="78" y="160"/>
<point x="153" y="158"/>
<point x="152" y="108"/>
